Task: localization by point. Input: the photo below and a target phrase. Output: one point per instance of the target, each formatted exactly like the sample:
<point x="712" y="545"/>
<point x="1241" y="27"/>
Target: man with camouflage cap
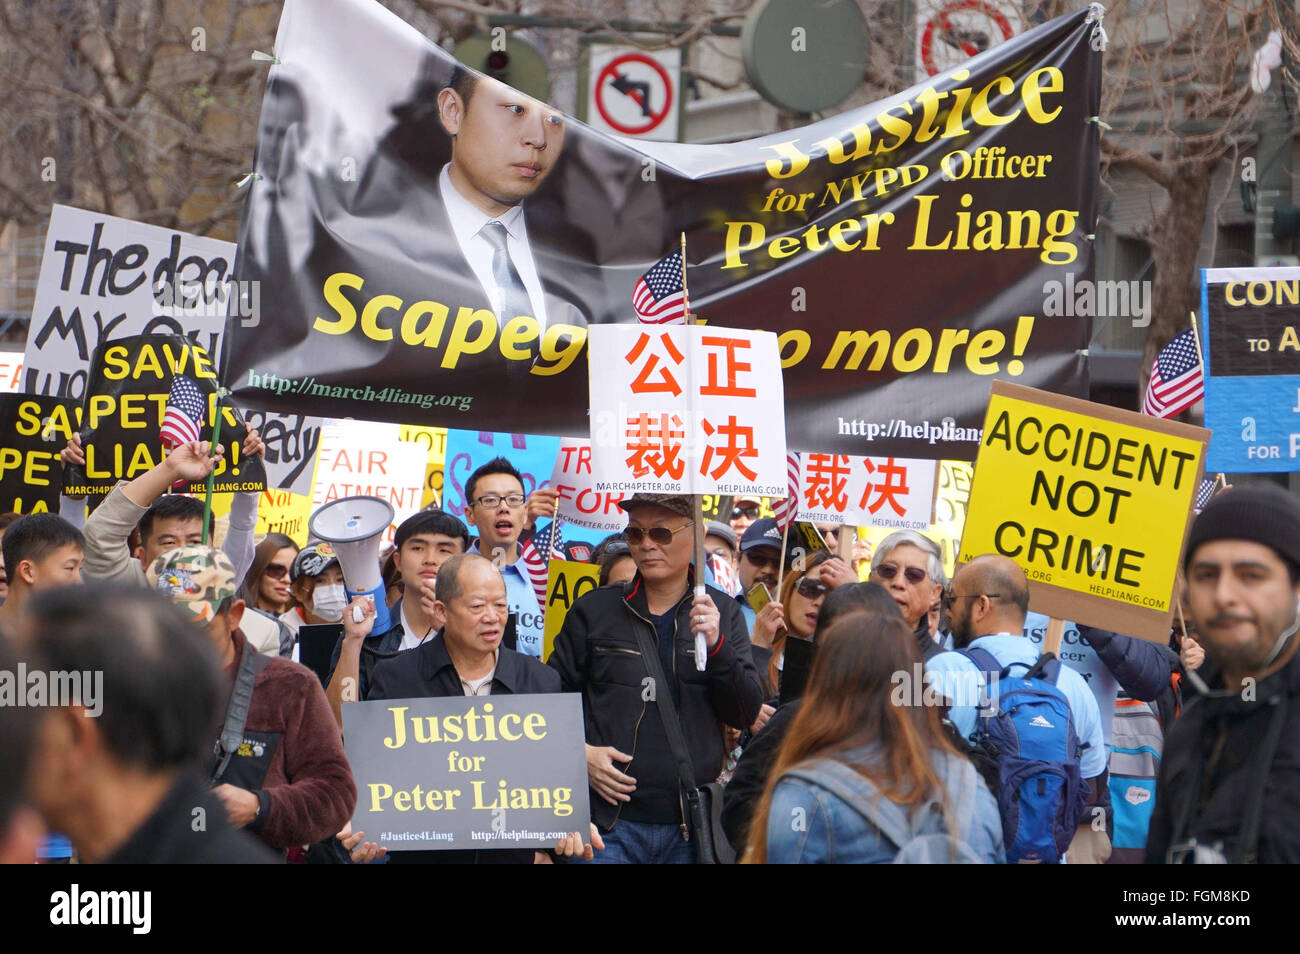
<point x="280" y="771"/>
<point x="598" y="653"/>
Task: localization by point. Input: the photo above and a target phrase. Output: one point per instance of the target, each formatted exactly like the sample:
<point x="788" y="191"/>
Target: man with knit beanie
<point x="1231" y="764"/>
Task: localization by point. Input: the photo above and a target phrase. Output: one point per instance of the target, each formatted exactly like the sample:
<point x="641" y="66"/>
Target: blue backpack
<point x="1027" y="733"/>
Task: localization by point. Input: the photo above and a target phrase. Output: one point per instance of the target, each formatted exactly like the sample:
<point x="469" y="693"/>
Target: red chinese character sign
<point x="686" y="409"/>
<point x="889" y="492"/>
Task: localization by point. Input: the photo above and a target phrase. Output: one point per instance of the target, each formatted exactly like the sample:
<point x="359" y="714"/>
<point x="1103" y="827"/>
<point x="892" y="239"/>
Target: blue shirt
<point x="957" y="678"/>
<point x="523" y="603"/>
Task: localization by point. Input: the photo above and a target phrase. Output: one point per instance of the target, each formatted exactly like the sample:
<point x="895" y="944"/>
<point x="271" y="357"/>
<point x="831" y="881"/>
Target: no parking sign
<point x="634" y="92"/>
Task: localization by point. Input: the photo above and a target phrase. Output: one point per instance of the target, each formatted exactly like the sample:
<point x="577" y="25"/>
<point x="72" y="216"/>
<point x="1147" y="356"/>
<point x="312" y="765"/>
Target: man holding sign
<point x="464" y="658"/>
<point x="987" y="602"/>
<point x="598" y="653"/>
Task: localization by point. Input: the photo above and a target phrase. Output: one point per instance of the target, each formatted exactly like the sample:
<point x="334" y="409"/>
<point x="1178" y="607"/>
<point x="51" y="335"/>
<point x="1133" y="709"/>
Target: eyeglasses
<point x="660" y="535"/>
<point x="276" y="571"/>
<point x="913" y="574"/>
<point x="811" y="589"/>
<point x="492" y="501"/>
<point x="749" y="511"/>
<point x="949" y="597"/>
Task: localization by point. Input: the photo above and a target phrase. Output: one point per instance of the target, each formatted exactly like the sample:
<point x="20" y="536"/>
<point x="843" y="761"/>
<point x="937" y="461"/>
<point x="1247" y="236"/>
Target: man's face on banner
<point x="504" y="143"/>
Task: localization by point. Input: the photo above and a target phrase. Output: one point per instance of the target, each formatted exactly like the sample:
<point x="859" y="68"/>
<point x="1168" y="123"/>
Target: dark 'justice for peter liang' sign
<point x="468" y="772"/>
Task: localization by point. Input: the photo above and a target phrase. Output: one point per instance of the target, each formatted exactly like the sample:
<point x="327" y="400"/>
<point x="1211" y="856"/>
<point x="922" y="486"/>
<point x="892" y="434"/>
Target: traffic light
<point x="513" y="61"/>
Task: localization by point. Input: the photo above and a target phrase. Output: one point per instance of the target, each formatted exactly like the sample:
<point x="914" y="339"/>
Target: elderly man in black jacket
<point x="637" y="798"/>
<point x="464" y="657"/>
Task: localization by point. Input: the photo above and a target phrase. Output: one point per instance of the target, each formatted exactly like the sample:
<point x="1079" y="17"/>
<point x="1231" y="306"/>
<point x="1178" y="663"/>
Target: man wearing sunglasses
<point x="910" y="567"/>
<point x="635" y="793"/>
<point x="760" y="562"/>
<point x="497" y="507"/>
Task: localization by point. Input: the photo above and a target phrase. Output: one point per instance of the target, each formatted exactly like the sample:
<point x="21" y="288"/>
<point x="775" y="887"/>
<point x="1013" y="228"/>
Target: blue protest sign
<point x="532" y="456"/>
<point x="1250" y="319"/>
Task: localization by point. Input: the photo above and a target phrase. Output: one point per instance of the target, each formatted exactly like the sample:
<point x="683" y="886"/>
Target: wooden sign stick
<point x="1055" y="633"/>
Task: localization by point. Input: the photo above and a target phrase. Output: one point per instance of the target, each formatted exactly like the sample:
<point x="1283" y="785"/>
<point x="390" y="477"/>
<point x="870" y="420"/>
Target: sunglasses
<point x="660" y="535"/>
<point x="750" y="511"/>
<point x="913" y="574"/>
<point x="949" y="597"/>
<point x="276" y="571"/>
<point x="811" y="589"/>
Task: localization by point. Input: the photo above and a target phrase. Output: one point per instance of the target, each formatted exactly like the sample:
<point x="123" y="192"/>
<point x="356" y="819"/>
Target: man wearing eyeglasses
<point x="909" y="566"/>
<point x="498" y="508"/>
<point x="987" y="602"/>
<point x="636" y="796"/>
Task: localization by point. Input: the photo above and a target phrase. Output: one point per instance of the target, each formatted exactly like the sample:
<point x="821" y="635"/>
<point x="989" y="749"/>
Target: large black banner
<point x="901" y="251"/>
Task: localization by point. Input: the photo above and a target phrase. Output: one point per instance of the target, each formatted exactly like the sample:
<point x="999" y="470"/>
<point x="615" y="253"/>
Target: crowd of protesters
<point x="846" y="710"/>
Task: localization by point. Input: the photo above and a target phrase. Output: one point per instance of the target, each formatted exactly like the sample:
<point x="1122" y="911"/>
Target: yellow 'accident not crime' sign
<point x="1094" y="503"/>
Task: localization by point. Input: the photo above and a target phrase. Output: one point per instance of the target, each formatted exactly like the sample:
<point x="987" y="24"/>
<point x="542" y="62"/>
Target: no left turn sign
<point x="635" y="93"/>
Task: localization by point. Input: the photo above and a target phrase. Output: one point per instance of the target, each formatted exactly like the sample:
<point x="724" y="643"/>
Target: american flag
<point x="784" y="510"/>
<point x="1176" y="380"/>
<point x="546" y="545"/>
<point x="659" y="297"/>
<point x="185" y="413"/>
<point x="1205" y="492"/>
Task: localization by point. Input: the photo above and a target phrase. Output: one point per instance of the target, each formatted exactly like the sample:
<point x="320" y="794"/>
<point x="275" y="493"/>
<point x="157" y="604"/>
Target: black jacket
<point x="169" y="837"/>
<point x="1214" y="754"/>
<point x="597" y="653"/>
<point x="1141" y="668"/>
<point x="427" y="672"/>
<point x="929" y="648"/>
<point x="740" y="797"/>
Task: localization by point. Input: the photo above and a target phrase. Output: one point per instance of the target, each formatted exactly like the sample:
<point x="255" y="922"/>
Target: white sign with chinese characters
<point x="686" y="409"/>
<point x="867" y="491"/>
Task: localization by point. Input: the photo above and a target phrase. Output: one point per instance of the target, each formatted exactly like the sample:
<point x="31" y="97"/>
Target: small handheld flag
<point x="183" y="419"/>
<point x="659" y="297"/>
<point x="1176" y="378"/>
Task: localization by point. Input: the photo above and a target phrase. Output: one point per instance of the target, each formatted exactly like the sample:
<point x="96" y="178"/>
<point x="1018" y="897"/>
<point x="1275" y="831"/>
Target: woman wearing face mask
<point x="266" y="585"/>
<point x="316" y="582"/>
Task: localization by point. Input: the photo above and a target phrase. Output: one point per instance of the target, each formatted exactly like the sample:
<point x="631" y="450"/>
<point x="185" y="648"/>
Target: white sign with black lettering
<point x="104" y="278"/>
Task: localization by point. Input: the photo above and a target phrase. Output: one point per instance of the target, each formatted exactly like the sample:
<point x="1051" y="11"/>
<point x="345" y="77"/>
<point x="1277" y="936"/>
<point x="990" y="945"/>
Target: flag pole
<point x="780" y="570"/>
<point x="1200" y="357"/>
<point x="697" y="502"/>
<point x="212" y="475"/>
<point x="1196" y="336"/>
<point x="686" y="298"/>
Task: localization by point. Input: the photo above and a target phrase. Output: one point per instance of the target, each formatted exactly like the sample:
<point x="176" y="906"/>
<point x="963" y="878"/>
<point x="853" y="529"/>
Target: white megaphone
<point x="354" y="527"/>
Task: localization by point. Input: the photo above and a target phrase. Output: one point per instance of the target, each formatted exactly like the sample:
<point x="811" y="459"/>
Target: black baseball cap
<point x="761" y="533"/>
